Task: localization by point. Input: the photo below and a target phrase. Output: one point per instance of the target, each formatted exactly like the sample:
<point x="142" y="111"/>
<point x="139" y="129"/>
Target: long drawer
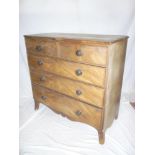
<point x="84" y="92"/>
<point x="73" y="109"/>
<point x="85" y="73"/>
<point x="89" y="54"/>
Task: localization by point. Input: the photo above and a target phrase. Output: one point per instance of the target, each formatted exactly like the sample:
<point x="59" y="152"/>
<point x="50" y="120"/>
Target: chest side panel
<point x="116" y="60"/>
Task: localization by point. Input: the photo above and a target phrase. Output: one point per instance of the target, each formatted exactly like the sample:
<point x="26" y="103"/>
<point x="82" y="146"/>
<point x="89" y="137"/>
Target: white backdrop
<point x="78" y="16"/>
<point x="55" y="135"/>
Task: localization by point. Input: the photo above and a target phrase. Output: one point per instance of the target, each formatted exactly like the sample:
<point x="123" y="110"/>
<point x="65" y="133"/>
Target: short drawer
<point x="73" y="109"/>
<point x="95" y="55"/>
<point x="41" y="46"/>
<point x="84" y="92"/>
<point x="85" y="73"/>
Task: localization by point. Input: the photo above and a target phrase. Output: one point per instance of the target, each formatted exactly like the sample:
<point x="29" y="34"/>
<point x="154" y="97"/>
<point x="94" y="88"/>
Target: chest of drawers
<point x="78" y="76"/>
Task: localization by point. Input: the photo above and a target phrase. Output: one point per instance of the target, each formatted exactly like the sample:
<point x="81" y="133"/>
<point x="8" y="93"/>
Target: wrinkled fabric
<point x="44" y="132"/>
<point x="78" y="16"/>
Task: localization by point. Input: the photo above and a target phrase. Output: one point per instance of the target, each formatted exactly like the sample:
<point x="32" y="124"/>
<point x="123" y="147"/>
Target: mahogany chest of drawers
<point x="78" y="76"/>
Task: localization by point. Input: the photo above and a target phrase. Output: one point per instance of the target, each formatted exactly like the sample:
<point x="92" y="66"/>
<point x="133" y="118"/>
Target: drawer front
<point x="89" y="74"/>
<point x="84" y="92"/>
<point x="73" y="109"/>
<point x="89" y="54"/>
<point x="41" y="47"/>
<point x="94" y="55"/>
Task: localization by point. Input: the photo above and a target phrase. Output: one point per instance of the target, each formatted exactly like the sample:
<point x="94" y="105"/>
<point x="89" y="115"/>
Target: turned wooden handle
<point x="78" y="92"/>
<point x="43" y="97"/>
<point x="40" y="62"/>
<point x="39" y="48"/>
<point x="79" y="53"/>
<point x="78" y="113"/>
<point x="78" y="72"/>
<point x="42" y="78"/>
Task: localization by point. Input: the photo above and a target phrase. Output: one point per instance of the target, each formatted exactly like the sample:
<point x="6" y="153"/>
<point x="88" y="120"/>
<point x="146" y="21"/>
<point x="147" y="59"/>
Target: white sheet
<point x="78" y="16"/>
<point x="43" y="132"/>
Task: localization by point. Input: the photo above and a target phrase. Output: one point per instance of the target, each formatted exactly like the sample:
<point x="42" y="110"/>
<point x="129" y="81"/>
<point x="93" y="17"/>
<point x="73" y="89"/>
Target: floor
<point x="44" y="132"/>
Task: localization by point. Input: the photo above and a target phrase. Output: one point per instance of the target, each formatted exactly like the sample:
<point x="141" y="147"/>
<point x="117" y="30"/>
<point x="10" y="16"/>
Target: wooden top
<point x="76" y="36"/>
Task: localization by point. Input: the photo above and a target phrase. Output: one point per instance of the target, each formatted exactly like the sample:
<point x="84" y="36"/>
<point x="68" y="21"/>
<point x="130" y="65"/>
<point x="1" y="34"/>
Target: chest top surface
<point x="75" y="36"/>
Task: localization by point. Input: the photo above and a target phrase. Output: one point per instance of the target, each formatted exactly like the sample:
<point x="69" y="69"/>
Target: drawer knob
<point x="42" y="78"/>
<point x="79" y="53"/>
<point x="78" y="72"/>
<point x="43" y="97"/>
<point x="78" y="92"/>
<point x="40" y="62"/>
<point x="38" y="48"/>
<point x="78" y="113"/>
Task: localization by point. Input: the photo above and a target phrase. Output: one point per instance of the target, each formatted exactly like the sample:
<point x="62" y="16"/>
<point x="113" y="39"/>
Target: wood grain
<point x="90" y="74"/>
<point x="89" y="93"/>
<point x="68" y="51"/>
<point x="116" y="60"/>
<point x="73" y="109"/>
<point x="93" y="96"/>
<point x="47" y="47"/>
